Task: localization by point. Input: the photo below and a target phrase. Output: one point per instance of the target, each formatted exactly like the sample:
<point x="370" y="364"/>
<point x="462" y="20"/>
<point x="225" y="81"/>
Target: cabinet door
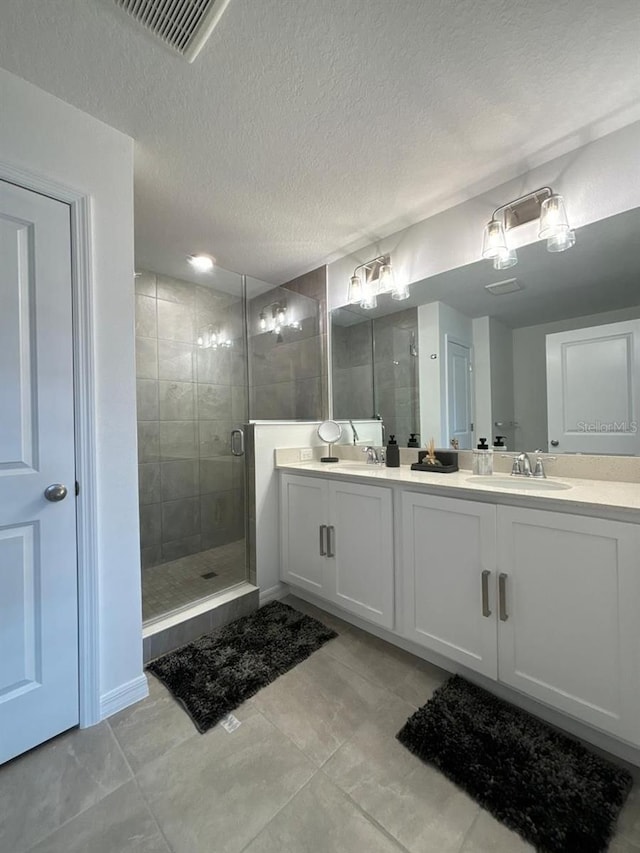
<point x="571" y="634"/>
<point x="449" y="604"/>
<point x="303" y="510"/>
<point x="360" y="560"/>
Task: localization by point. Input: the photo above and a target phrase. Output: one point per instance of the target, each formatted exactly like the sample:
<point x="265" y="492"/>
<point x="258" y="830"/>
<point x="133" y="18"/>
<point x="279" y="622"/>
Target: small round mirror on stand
<point x="329" y="432"/>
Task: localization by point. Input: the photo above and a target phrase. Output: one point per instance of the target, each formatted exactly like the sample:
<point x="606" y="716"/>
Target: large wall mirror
<point x="545" y="354"/>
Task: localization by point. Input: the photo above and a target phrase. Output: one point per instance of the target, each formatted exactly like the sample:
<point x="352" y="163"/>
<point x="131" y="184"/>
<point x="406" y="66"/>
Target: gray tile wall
<point x="288" y="377"/>
<point x="191" y="489"/>
<point x="374" y="372"/>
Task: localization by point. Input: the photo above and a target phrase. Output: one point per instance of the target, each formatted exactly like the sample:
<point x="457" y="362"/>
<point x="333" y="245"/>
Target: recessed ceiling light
<point x="201" y="263"/>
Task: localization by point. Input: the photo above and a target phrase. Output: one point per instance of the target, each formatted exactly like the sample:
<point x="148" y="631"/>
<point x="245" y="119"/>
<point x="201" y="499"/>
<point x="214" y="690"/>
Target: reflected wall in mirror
<point x="546" y="354"/>
<point x="375" y="368"/>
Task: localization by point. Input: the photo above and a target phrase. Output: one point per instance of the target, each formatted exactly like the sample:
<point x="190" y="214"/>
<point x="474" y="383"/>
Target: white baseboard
<point x="274" y="593"/>
<point x="123" y="696"/>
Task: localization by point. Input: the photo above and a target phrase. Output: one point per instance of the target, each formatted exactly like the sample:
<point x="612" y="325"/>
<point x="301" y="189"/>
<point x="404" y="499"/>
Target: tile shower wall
<point x="375" y="372"/>
<point x="396" y="373"/>
<point x="288" y="373"/>
<point x="189" y="398"/>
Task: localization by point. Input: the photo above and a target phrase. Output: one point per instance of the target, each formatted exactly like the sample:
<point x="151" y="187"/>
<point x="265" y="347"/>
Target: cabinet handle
<point x="323" y="530"/>
<point x="502" y="596"/>
<point x="331" y="550"/>
<point x="485" y="593"/>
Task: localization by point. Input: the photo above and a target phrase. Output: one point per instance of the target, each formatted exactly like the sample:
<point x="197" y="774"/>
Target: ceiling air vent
<point x="499" y="288"/>
<point x="184" y="25"/>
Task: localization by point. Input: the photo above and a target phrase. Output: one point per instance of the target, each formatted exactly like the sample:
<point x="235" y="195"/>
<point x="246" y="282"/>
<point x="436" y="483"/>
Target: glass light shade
<point x="494" y="243"/>
<point x="263" y="321"/>
<point x="553" y="217"/>
<point x="386" y="279"/>
<point x="369" y="302"/>
<point x="355" y="289"/>
<point x="400" y="291"/>
<point x="505" y="260"/>
<point x="561" y="242"/>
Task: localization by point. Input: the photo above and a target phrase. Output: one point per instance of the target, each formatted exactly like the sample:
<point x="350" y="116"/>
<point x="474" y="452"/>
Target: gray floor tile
<point x="221" y="789"/>
<point x="320" y="819"/>
<point x="487" y="835"/>
<point x="629" y="821"/>
<point x="420" y="683"/>
<point x="120" y="823"/>
<point x="412" y="801"/>
<point x="55" y="782"/>
<point x="150" y="728"/>
<point x="374" y="658"/>
<point x="326" y="618"/>
<point x="319" y="704"/>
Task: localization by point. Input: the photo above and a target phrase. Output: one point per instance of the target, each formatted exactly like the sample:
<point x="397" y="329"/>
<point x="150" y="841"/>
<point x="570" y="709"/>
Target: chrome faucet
<point x="372" y="455"/>
<point x="522" y="465"/>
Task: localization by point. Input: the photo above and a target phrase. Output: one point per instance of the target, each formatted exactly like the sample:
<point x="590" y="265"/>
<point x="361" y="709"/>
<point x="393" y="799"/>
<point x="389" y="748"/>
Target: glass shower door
<point x="192" y="395"/>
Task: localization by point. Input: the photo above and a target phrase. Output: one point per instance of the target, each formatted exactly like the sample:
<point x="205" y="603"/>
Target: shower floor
<point x="172" y="585"/>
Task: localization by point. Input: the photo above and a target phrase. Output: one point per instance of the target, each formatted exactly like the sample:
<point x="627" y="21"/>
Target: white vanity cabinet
<point x="337" y="542"/>
<point x="569" y="631"/>
<point x="547" y="603"/>
<point x="449" y="559"/>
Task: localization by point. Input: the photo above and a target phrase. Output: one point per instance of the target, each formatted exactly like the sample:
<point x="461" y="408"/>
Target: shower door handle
<point x="237" y="442"/>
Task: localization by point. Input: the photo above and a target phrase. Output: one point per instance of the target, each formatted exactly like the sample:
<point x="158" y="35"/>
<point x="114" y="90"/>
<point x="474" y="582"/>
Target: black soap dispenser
<point x="393" y="453"/>
<point x="500" y="442"/>
<point x="413" y="440"/>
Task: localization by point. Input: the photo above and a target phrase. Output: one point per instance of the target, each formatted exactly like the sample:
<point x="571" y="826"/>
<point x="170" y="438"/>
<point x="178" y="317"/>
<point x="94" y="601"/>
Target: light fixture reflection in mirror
<point x="506" y="260"/>
<point x="505" y="324"/>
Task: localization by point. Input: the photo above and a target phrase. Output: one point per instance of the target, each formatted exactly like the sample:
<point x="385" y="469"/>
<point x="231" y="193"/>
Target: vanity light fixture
<point x="275" y="317"/>
<point x="372" y="278"/>
<point x="542" y="204"/>
<point x="210" y="338"/>
<point x="201" y="263"/>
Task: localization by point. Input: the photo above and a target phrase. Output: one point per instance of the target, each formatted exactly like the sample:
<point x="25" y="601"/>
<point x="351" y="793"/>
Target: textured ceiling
<point x="306" y="127"/>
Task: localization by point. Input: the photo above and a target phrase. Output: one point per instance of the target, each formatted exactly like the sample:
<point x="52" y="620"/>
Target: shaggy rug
<point x="219" y="671"/>
<point x="552" y="790"/>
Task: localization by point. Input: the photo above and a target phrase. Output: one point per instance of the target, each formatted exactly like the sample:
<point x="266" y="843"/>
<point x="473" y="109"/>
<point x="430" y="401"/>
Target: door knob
<point x="554" y="442"/>
<point x="55" y="492"/>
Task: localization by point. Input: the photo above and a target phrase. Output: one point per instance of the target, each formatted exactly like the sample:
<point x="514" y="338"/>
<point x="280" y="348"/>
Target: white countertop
<point x="601" y="498"/>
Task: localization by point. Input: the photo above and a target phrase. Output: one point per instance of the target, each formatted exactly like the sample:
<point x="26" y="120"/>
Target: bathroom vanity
<point x="533" y="586"/>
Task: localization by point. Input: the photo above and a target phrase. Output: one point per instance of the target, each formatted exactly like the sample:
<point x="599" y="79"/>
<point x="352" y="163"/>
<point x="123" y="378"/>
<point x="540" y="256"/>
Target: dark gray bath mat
<point x="219" y="671"/>
<point x="556" y="793"/>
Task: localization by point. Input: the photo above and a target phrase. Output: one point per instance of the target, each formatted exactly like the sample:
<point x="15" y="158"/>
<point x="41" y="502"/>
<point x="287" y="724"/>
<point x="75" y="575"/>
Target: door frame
<point x="454" y="339"/>
<point x="82" y="289"/>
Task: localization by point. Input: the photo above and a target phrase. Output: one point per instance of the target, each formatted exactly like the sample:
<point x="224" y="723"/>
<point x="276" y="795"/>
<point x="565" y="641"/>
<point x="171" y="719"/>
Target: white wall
<point x="502" y="404"/>
<point x="598" y="180"/>
<point x="42" y="134"/>
<point x="530" y="371"/>
<point x="269" y="435"/>
<point x="482" y="379"/>
<point x="437" y="322"/>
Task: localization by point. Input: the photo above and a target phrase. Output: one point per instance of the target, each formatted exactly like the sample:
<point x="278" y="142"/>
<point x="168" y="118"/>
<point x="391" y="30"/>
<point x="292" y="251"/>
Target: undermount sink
<point x="536" y="484"/>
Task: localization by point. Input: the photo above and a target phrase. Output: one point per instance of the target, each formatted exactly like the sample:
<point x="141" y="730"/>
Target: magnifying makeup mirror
<point x="329" y="432"/>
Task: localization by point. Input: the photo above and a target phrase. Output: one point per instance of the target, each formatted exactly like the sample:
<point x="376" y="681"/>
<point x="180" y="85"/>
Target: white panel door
<point x="593" y="389"/>
<point x="38" y="573"/>
<point x="459" y="394"/>
<point x="360" y="551"/>
<point x="449" y="557"/>
<point x="304" y="519"/>
<point x="572" y="636"/>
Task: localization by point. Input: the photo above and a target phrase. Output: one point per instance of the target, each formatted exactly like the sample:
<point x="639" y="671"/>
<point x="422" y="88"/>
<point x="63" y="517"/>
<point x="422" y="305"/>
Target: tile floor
<point x="172" y="585"/>
<point x="314" y="768"/>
